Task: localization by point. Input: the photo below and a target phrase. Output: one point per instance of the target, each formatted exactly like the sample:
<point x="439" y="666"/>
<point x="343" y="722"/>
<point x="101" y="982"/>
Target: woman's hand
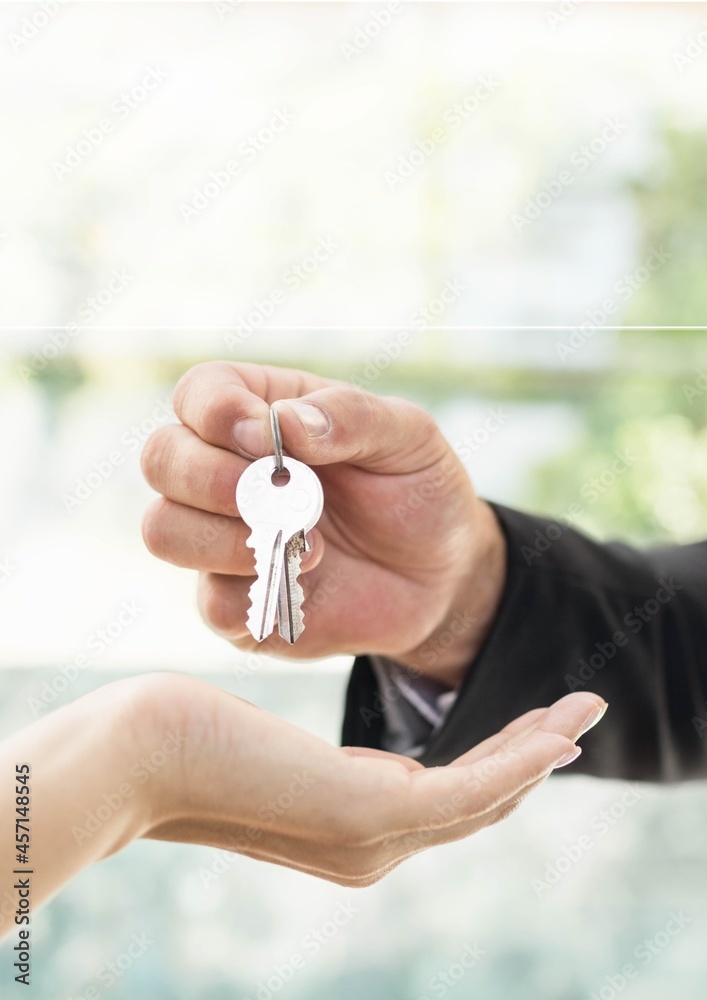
<point x="404" y="552"/>
<point x="252" y="783"/>
<point x="170" y="757"/>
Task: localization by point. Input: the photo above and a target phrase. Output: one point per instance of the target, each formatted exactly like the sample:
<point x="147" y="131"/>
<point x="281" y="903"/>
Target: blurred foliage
<point x="643" y="480"/>
<point x="673" y="212"/>
<point x="661" y="419"/>
<point x="58" y="379"/>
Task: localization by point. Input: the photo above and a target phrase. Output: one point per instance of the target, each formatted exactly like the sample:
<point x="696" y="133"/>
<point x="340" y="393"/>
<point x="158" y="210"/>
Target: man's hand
<point x="406" y="560"/>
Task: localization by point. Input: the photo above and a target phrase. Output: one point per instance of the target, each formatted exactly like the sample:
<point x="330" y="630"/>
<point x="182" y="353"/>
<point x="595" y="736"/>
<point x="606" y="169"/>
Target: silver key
<point x="279" y="517"/>
<point x="290" y="620"/>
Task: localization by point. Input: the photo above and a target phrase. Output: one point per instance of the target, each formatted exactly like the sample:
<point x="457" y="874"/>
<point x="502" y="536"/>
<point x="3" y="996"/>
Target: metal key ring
<point x="276" y="439"/>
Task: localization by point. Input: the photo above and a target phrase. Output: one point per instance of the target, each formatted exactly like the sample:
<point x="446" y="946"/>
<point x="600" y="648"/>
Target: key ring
<point x="276" y="439"/>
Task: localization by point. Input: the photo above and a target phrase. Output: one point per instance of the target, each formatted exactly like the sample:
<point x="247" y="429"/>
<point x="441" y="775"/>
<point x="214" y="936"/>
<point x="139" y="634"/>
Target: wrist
<point x="476" y="592"/>
<point x="150" y="721"/>
<point x="125" y="721"/>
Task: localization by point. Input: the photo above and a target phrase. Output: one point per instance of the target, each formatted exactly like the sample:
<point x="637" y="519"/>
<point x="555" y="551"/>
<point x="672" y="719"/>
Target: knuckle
<point x="423" y="421"/>
<point x="358" y="403"/>
<point x="153" y="528"/>
<point x="186" y="384"/>
<point x="218" y="483"/>
<point x="155" y="455"/>
<point x="207" y="405"/>
<point x="217" y="411"/>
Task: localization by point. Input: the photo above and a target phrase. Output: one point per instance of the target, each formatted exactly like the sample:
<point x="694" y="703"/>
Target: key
<point x="279" y="517"/>
<point x="290" y="620"/>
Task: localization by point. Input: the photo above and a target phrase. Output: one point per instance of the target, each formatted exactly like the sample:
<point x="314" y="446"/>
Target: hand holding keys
<point x="280" y="499"/>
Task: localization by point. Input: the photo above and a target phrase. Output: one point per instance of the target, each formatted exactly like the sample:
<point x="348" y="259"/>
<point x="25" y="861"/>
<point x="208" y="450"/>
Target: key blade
<point x="269" y="554"/>
<point x="289" y="604"/>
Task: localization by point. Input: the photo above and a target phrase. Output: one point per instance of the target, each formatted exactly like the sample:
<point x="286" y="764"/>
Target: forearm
<point x="85" y="799"/>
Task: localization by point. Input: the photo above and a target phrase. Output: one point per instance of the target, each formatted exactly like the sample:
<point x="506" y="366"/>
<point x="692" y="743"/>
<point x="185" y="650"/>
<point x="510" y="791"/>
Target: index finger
<point x="212" y="396"/>
<point x="570" y="716"/>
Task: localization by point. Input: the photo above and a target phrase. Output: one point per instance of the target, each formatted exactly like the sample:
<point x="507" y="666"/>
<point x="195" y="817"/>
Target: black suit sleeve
<point x="579" y="615"/>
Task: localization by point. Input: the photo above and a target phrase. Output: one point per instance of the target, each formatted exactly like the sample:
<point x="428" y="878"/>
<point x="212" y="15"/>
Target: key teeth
<point x="292" y="554"/>
<point x="297" y="610"/>
<point x="254" y="627"/>
<point x="295" y="548"/>
<point x="290" y="618"/>
<point x="262" y="567"/>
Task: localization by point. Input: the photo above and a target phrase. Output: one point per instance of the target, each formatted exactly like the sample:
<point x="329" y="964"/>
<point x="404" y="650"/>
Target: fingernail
<point x="314" y="420"/>
<point x="568" y="758"/>
<point x="250" y="437"/>
<point x="594" y="716"/>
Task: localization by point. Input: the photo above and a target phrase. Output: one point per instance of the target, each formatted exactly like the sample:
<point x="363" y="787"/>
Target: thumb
<point x="344" y="424"/>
